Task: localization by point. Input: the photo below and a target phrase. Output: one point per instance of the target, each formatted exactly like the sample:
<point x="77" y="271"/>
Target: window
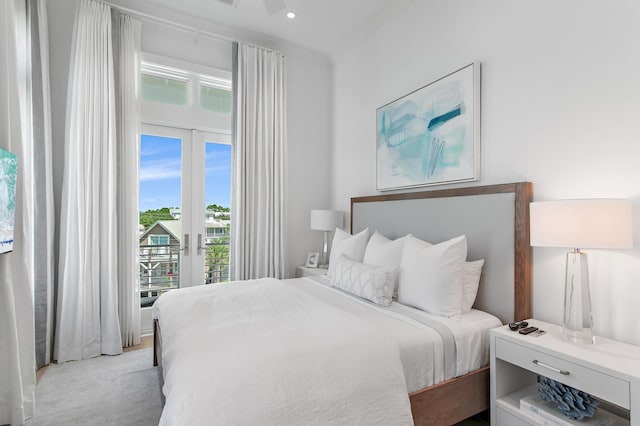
<point x="217" y="232"/>
<point x="215" y="95"/>
<point x="183" y="95"/>
<point x="164" y="89"/>
<point x="185" y="175"/>
<point x="162" y="241"/>
<point x="158" y="240"/>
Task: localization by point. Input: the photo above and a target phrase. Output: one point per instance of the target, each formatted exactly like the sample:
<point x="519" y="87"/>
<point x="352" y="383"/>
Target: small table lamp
<point x="327" y="221"/>
<point x="577" y="224"/>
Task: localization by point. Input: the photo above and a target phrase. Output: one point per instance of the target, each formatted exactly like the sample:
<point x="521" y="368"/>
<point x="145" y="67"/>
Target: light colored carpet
<point x="108" y="390"/>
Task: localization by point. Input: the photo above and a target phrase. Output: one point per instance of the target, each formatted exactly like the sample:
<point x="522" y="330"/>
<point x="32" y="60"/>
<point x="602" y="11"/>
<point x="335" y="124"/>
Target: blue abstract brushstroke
<point x="403" y="125"/>
<point x="441" y="119"/>
<point x="430" y="162"/>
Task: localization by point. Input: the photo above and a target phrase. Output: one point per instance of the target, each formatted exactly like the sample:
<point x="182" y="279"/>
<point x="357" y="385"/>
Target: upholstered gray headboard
<point x="495" y="219"/>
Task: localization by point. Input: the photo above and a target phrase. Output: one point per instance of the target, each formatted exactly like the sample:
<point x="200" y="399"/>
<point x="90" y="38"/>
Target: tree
<point x="220" y="209"/>
<point x="149" y="217"/>
<point x="217" y="259"/>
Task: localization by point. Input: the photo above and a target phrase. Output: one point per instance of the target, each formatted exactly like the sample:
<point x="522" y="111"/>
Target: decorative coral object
<point x="572" y="402"/>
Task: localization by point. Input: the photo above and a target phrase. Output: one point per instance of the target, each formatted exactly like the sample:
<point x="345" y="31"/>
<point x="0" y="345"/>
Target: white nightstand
<point x="304" y="271"/>
<point x="608" y="370"/>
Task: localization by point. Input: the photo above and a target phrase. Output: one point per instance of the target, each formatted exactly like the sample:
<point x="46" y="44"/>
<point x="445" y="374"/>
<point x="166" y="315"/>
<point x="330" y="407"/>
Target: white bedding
<point x="299" y="352"/>
<point x="421" y="347"/>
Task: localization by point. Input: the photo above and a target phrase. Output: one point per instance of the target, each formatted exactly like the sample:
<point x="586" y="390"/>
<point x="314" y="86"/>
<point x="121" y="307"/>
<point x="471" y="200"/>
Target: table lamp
<point x="327" y="221"/>
<point x="578" y="224"/>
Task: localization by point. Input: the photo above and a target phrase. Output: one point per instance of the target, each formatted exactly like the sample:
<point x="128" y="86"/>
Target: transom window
<point x="174" y="86"/>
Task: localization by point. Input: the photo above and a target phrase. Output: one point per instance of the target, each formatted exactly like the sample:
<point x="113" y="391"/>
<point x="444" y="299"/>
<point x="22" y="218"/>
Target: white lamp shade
<point x="325" y="220"/>
<point x="589" y="223"/>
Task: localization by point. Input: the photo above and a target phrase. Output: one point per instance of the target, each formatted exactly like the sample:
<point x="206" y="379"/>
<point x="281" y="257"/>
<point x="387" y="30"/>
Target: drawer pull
<point x="557" y="370"/>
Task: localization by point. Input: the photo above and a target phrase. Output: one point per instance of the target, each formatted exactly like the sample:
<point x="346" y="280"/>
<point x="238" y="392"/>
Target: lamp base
<point x="324" y="260"/>
<point x="577" y="321"/>
<point x="583" y="337"/>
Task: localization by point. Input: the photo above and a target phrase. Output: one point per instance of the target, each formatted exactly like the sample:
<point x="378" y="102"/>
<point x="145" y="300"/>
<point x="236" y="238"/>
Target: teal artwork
<point x="8" y="176"/>
<point x="432" y="135"/>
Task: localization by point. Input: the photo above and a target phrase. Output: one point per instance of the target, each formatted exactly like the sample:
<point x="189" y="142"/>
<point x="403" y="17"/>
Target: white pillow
<point x="431" y="275"/>
<point x="374" y="283"/>
<point x="470" y="281"/>
<point x="381" y="251"/>
<point x="352" y="246"/>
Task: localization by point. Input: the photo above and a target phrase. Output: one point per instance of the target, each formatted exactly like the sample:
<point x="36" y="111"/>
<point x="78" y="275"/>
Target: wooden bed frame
<point x="457" y="399"/>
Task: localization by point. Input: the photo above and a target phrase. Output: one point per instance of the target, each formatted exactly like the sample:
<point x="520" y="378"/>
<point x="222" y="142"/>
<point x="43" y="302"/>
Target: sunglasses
<point x="515" y="326"/>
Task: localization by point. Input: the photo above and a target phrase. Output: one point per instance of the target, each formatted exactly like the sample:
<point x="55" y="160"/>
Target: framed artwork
<point x="312" y="259"/>
<point x="431" y="136"/>
<point x="8" y="176"/>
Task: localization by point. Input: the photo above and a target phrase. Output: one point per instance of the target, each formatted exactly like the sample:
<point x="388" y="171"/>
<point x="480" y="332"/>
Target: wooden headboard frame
<point x="522" y="192"/>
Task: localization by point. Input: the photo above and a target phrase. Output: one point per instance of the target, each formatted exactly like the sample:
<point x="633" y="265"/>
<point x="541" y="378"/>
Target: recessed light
<point x="291" y="15"/>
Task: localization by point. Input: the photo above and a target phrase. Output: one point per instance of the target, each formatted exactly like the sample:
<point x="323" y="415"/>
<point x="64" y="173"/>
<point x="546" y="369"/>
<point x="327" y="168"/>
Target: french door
<point x="185" y="187"/>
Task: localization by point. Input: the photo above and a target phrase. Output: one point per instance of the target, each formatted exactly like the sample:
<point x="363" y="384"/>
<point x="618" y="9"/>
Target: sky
<point x="160" y="169"/>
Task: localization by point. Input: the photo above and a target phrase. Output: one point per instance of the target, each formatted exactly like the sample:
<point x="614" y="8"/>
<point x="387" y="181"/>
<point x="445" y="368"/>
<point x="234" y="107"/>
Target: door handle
<point x="200" y="244"/>
<point x="186" y="245"/>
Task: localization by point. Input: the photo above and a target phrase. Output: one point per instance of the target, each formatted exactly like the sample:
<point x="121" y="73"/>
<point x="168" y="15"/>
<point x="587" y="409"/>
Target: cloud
<point x="160" y="170"/>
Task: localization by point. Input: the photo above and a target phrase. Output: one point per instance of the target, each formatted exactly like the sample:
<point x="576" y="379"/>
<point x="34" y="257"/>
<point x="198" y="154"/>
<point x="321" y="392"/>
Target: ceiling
<point x="326" y="26"/>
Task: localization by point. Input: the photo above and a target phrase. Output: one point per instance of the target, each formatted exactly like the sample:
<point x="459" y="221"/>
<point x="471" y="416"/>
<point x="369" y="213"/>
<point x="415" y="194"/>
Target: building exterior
<point x="159" y="259"/>
<point x="160" y="255"/>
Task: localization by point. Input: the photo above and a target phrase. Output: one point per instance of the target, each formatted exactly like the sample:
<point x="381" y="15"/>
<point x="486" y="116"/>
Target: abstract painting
<point x="8" y="175"/>
<point x="432" y="135"/>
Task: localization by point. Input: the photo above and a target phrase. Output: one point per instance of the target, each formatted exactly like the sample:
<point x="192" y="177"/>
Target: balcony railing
<point x="216" y="263"/>
<point x="160" y="268"/>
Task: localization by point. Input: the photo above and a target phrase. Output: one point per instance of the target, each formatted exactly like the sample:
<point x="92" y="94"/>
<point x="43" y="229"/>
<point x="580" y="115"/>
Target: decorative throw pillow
<point x="431" y="275"/>
<point x="374" y="283"/>
<point x="471" y="272"/>
<point x="352" y="246"/>
<point x="381" y="251"/>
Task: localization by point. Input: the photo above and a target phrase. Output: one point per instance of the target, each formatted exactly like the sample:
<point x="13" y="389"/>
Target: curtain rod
<point x="152" y="18"/>
<point x="183" y="27"/>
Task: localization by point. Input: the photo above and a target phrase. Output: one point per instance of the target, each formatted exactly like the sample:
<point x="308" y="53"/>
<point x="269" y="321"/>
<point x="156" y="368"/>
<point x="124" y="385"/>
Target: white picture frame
<point x="312" y="259"/>
<point x="431" y="136"/>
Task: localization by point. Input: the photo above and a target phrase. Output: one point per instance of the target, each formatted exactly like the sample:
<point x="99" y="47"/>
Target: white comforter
<point x="271" y="354"/>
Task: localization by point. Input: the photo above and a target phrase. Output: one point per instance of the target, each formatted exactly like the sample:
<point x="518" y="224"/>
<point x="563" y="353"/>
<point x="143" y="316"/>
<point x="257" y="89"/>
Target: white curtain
<point x="259" y="163"/>
<point x="17" y="339"/>
<point x="43" y="181"/>
<point x="128" y="89"/>
<point x="94" y="258"/>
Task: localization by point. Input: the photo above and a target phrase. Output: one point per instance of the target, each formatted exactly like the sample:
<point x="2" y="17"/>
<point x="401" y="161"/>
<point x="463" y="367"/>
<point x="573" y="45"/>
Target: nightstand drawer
<point x="594" y="382"/>
<point x="504" y="417"/>
<point x="303" y="271"/>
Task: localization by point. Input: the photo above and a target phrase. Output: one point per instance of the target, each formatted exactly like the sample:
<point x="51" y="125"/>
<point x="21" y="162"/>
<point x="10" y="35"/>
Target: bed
<point x="495" y="220"/>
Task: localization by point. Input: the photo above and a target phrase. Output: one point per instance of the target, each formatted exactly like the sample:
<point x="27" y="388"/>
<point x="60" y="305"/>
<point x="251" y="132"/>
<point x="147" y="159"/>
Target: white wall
<point x="309" y="137"/>
<point x="560" y="91"/>
<point x="308" y="104"/>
